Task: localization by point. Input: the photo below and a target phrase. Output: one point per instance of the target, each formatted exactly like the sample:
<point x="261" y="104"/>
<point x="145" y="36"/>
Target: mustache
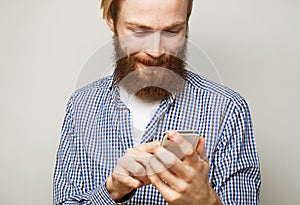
<point x="162" y="60"/>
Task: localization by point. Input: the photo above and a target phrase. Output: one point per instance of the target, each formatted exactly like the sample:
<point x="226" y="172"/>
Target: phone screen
<point x="192" y="136"/>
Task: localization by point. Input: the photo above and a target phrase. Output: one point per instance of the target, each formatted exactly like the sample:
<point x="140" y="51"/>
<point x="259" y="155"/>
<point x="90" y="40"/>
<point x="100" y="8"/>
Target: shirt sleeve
<point x="236" y="170"/>
<point x="69" y="186"/>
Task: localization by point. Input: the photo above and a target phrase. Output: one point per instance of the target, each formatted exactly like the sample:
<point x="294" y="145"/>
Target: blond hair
<point x="110" y="8"/>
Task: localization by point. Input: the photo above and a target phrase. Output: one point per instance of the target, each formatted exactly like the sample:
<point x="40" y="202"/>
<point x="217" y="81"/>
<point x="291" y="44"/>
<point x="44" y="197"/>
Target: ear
<point x="110" y="23"/>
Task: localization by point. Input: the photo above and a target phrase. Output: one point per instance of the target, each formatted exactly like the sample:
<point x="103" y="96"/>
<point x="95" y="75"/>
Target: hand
<point x="182" y="182"/>
<point x="130" y="172"/>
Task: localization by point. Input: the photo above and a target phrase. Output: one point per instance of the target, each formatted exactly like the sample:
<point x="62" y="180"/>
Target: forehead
<point x="154" y="13"/>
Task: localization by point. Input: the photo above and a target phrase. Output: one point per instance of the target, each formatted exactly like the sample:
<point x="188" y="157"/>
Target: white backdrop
<point x="254" y="44"/>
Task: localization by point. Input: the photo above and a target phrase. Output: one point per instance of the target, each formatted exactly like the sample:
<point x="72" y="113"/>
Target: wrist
<point x="113" y="191"/>
<point x="214" y="199"/>
<point x="219" y="202"/>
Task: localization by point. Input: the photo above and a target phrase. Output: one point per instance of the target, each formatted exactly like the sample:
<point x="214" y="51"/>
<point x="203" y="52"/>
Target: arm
<point x="70" y="185"/>
<point x="235" y="166"/>
<point x="73" y="182"/>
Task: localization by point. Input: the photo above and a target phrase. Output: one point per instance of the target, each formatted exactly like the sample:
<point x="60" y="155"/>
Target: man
<point x="105" y="158"/>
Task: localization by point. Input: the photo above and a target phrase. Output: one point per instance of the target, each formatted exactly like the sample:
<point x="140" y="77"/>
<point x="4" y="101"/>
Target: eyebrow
<point x="145" y="27"/>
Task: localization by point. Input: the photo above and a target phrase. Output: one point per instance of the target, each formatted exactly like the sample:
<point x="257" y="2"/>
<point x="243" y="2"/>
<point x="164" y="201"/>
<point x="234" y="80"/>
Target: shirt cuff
<point x="101" y="196"/>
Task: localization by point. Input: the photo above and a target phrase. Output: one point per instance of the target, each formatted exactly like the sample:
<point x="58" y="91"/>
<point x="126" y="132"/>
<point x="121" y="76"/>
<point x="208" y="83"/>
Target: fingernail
<point x="157" y="143"/>
<point x="171" y="133"/>
<point x="174" y="135"/>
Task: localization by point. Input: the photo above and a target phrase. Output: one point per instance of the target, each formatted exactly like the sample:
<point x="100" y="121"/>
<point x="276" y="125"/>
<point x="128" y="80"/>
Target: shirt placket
<point x="153" y="131"/>
<point x="124" y="124"/>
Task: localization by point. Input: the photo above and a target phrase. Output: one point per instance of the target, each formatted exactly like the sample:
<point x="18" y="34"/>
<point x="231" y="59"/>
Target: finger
<point x="171" y="162"/>
<point x="148" y="147"/>
<point x="162" y="187"/>
<point x="201" y="151"/>
<point x="131" y="166"/>
<point x="190" y="155"/>
<point x="200" y="145"/>
<point x="135" y="162"/>
<point x="138" y="155"/>
<point x="122" y="181"/>
<point x="163" y="173"/>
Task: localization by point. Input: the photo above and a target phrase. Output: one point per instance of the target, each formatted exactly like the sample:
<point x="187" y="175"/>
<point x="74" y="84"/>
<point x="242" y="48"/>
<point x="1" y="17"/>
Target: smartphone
<point x="192" y="136"/>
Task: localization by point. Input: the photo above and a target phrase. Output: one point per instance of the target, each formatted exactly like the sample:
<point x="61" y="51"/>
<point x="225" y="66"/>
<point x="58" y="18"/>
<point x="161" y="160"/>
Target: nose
<point x="156" y="50"/>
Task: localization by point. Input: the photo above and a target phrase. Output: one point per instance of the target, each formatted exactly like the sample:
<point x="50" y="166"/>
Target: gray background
<point x="254" y="44"/>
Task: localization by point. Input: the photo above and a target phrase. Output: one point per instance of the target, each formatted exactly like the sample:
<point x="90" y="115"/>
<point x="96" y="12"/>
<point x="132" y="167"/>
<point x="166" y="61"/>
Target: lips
<point x="160" y="62"/>
<point x="151" y="69"/>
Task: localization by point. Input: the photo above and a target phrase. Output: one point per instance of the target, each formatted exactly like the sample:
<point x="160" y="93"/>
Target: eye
<point x="171" y="33"/>
<point x="140" y="33"/>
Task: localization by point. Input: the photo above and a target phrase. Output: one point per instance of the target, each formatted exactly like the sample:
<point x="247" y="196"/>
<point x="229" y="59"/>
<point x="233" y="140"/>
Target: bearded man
<point x="110" y="151"/>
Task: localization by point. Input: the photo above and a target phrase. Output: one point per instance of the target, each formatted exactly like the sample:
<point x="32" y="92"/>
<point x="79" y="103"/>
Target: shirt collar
<point x="114" y="88"/>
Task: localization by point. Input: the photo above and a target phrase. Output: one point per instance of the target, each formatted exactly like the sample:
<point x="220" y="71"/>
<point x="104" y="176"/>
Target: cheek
<point x="126" y="40"/>
<point x="133" y="44"/>
<point x="173" y="46"/>
<point x="174" y="43"/>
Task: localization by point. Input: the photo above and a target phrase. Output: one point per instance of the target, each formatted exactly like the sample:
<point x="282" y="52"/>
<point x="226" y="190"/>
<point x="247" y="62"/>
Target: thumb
<point x="201" y="151"/>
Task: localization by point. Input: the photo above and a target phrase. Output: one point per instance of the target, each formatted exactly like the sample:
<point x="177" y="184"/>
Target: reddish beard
<point x="150" y="83"/>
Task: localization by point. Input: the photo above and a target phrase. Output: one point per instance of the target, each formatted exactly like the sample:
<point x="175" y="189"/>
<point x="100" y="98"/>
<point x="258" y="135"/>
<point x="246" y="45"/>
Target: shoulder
<point x="101" y="84"/>
<point x="212" y="89"/>
<point x="93" y="93"/>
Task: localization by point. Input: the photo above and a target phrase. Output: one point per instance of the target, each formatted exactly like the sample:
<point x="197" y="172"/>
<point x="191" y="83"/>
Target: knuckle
<point x="114" y="176"/>
<point x="172" y="161"/>
<point x="121" y="160"/>
<point x="173" y="199"/>
<point x="200" y="166"/>
<point x="190" y="153"/>
<point x="139" y="171"/>
<point x="126" y="181"/>
<point x="155" y="181"/>
<point x="183" y="188"/>
<point x="189" y="179"/>
<point x="129" y="151"/>
<point x="191" y="175"/>
<point x="117" y="174"/>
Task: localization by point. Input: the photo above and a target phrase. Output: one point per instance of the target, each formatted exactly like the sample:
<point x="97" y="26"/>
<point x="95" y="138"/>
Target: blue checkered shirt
<point x="97" y="130"/>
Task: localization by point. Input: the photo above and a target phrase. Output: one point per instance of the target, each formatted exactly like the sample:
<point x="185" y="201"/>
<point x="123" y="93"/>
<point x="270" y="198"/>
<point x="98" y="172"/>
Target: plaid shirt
<point x="97" y="130"/>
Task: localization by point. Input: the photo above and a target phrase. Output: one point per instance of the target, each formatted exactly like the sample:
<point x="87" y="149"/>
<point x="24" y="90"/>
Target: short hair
<point x="111" y="8"/>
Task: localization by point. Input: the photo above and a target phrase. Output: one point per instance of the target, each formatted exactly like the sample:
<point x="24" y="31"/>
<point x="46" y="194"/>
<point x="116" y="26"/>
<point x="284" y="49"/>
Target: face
<point x="150" y="47"/>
